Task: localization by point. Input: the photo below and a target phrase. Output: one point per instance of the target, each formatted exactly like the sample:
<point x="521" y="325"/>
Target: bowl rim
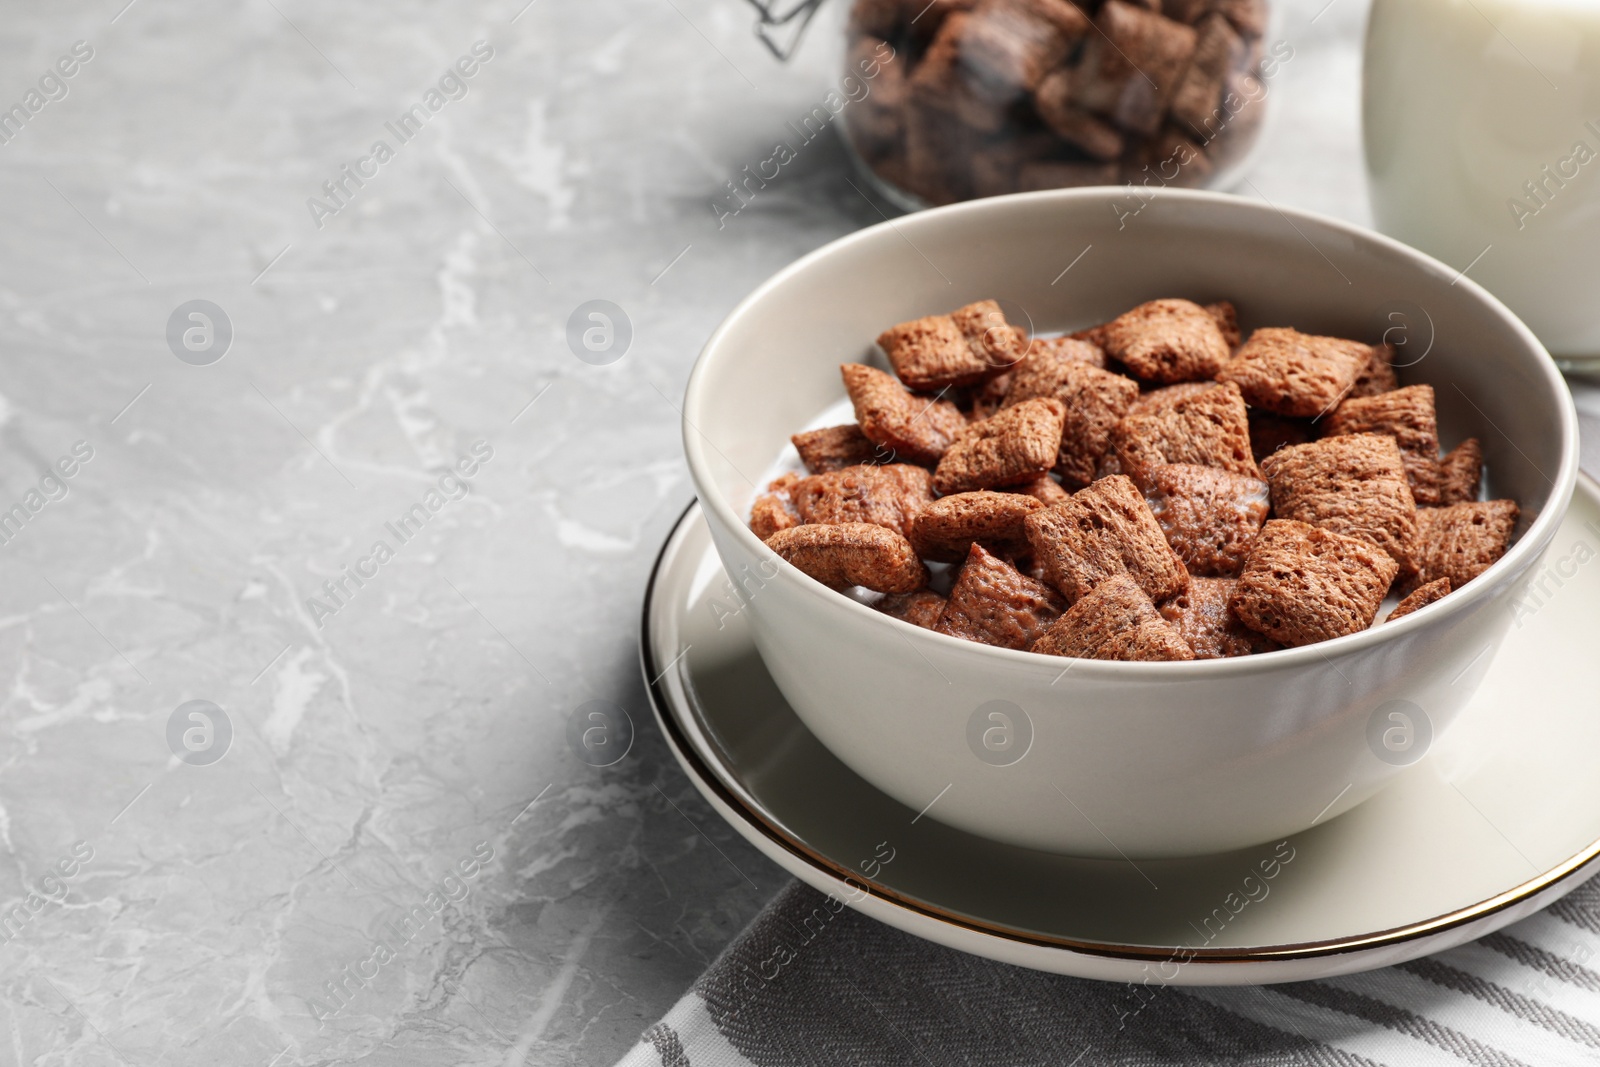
<point x="1519" y="557"/>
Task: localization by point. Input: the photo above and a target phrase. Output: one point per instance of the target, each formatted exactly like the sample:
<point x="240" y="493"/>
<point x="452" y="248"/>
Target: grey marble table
<point x="373" y="840"/>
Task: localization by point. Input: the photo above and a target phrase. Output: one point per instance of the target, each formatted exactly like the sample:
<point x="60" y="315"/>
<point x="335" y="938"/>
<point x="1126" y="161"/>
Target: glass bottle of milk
<point x="1481" y="120"/>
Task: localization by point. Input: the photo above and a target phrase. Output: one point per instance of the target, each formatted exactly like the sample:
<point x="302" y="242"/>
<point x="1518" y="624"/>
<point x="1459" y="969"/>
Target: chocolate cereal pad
<point x="1164" y="485"/>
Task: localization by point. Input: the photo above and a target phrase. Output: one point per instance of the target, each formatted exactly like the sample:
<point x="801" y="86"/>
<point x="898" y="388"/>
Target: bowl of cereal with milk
<point x="1105" y="535"/>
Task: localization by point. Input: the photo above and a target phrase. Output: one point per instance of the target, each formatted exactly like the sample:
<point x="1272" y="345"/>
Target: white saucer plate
<point x="1498" y="819"/>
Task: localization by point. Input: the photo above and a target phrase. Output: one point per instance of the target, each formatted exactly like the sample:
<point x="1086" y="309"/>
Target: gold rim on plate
<point x="750" y="809"/>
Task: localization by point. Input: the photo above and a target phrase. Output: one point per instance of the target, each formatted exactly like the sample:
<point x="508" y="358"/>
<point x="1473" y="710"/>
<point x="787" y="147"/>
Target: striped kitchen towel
<point x="853" y="991"/>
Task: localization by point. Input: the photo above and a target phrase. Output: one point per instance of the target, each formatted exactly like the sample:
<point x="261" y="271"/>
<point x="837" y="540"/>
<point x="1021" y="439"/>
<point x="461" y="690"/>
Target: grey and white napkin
<point x="811" y="982"/>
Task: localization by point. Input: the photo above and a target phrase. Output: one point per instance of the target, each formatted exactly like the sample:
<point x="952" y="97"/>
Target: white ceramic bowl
<point x="1129" y="759"/>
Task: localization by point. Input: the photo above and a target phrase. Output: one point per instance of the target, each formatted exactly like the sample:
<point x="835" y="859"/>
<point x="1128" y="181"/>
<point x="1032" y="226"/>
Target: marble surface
<point x="399" y="856"/>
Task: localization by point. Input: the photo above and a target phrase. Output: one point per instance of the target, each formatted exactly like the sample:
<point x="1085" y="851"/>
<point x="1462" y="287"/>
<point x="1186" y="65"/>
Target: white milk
<point x="1482" y="130"/>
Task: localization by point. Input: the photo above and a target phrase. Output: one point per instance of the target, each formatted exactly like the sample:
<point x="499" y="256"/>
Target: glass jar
<point x="972" y="98"/>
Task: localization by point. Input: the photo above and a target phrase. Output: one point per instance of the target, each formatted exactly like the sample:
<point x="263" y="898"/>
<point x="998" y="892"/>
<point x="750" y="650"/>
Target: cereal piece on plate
<point x="994" y="604"/>
<point x="1269" y="432"/>
<point x="921" y="608"/>
<point x="1114" y="621"/>
<point x="1461" y="473"/>
<point x="1459" y="542"/>
<point x="1162" y="399"/>
<point x="1209" y="429"/>
<point x="1217" y="50"/>
<point x="1131" y="66"/>
<point x="1093" y="135"/>
<point x="1042" y="488"/>
<point x="1378" y="376"/>
<point x="1227" y="317"/>
<point x="1014" y="446"/>
<point x="945" y="530"/>
<point x="914" y="429"/>
<point x="1104" y="530"/>
<point x="1202" y="615"/>
<point x="1293" y="373"/>
<point x="1304" y="584"/>
<point x="1210" y="516"/>
<point x="970" y="344"/>
<point x="1353" y="485"/>
<point x="852" y="553"/>
<point x="1167" y="341"/>
<point x="1407" y="415"/>
<point x="1420" y="597"/>
<point x="889" y="496"/>
<point x="1094" y="401"/>
<point x="834" y="448"/>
